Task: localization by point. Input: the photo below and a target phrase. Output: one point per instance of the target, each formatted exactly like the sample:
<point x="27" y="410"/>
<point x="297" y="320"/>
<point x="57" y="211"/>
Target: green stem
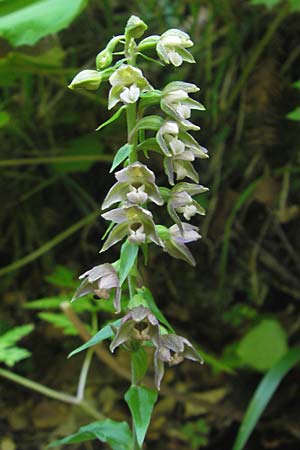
<point x="83" y="374"/>
<point x="134" y="382"/>
<point x="51" y="393"/>
<point x="132" y="138"/>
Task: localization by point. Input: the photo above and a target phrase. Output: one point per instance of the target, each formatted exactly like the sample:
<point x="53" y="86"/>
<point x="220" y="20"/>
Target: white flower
<point x="127" y="84"/>
<point x="171" y="47"/>
<point x="175" y="102"/>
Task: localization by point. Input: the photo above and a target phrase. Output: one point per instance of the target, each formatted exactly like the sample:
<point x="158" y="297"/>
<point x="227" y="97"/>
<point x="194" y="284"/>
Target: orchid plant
<point x="127" y="207"/>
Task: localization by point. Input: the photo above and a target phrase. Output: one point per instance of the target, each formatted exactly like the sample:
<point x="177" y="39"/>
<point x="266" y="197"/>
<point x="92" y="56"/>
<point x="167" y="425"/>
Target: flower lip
<point x="139" y="324"/>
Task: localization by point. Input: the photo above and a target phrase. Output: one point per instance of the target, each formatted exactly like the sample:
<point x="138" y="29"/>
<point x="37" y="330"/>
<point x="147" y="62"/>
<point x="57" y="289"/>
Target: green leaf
<point x="127" y="259"/>
<point x="4" y="118"/>
<point x="139" y="360"/>
<point x="62" y="277"/>
<point x="263" y="394"/>
<point x="12" y="336"/>
<point x="116" y="434"/>
<point x="59" y="320"/>
<point x="156" y="311"/>
<point x="150" y="98"/>
<point x="294" y="115"/>
<point x="46" y="303"/>
<point x="10" y="356"/>
<point x="149" y="123"/>
<point x="105" y="333"/>
<point x="267" y="3"/>
<point x="121" y="155"/>
<point x="150" y="144"/>
<point x="9" y="353"/>
<point x="17" y="65"/>
<point x="297" y="83"/>
<point x="141" y="401"/>
<point x="112" y="119"/>
<point x="24" y="22"/>
<point x="263" y="346"/>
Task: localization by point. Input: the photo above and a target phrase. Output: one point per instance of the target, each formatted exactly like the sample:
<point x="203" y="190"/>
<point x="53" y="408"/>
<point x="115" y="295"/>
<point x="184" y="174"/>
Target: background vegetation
<point x="239" y="305"/>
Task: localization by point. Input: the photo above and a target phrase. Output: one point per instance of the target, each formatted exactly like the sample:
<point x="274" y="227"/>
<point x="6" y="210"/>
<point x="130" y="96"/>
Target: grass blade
<point x="263" y="394"/>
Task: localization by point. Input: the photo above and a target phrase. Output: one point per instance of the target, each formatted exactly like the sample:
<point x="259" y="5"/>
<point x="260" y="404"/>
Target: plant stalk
<point x="51" y="393"/>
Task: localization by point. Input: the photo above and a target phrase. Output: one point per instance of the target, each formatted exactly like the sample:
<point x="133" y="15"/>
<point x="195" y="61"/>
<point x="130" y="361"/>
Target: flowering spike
<point x="135" y="189"/>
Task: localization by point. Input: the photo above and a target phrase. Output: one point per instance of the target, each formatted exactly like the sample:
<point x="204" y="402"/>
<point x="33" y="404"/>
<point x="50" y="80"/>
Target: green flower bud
<point x="163" y="232"/>
<point x="137" y="300"/>
<point x="135" y="27"/>
<point x="86" y="79"/>
<point x="148" y="42"/>
<point x="104" y="59"/>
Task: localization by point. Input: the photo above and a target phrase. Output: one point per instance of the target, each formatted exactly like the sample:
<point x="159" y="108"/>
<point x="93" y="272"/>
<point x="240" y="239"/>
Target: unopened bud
<point x="86" y="79"/>
<point x="135" y="27"/>
<point x="163" y="232"/>
<point x="104" y="59"/>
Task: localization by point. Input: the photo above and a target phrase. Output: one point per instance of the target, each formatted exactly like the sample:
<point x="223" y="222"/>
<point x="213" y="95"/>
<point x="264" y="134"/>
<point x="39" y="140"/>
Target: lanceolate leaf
<point x="116" y="434"/>
<point x="128" y="256"/>
<point x="139" y="362"/>
<point x="121" y="155"/>
<point x="154" y="308"/>
<point x="263" y="394"/>
<point x="149" y="123"/>
<point x="294" y="115"/>
<point x="141" y="401"/>
<point x="105" y="333"/>
<point x="112" y="119"/>
<point x="24" y="22"/>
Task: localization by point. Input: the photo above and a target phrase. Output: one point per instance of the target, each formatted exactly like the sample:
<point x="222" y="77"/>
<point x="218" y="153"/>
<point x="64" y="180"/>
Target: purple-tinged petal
<point x="159" y="369"/>
<point x="117" y="300"/>
<point x="123" y="334"/>
<point x="108" y="281"/>
<point x="190" y="233"/>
